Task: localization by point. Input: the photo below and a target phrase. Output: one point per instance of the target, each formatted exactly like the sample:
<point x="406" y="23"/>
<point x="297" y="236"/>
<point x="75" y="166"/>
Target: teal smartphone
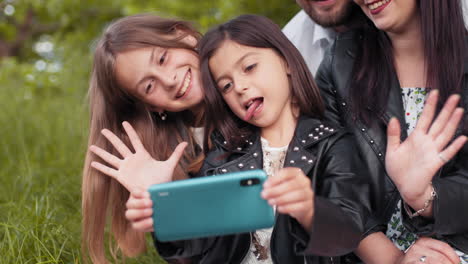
<point x="210" y="206"/>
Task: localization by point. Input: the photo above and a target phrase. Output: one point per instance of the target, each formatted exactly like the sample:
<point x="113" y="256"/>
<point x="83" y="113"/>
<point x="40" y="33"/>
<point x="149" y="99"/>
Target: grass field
<point x="43" y="130"/>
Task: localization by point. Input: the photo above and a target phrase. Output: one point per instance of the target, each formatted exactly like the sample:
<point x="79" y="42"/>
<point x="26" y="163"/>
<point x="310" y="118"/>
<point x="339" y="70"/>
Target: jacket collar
<point x="395" y="106"/>
<point x="309" y="131"/>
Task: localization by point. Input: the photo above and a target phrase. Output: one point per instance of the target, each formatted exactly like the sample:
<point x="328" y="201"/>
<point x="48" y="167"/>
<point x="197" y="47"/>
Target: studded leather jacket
<point x="450" y="214"/>
<point x="328" y="157"/>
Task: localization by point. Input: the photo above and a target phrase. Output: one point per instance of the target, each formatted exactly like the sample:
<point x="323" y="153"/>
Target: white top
<point x="198" y="135"/>
<point x="465" y="11"/>
<point x="309" y="38"/>
<point x="273" y="160"/>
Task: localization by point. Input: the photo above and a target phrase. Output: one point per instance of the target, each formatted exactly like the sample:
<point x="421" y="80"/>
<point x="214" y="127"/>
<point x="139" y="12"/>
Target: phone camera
<point x="249" y="182"/>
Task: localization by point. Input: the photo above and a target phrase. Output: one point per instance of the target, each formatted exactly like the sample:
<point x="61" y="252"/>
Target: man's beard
<point x="336" y="19"/>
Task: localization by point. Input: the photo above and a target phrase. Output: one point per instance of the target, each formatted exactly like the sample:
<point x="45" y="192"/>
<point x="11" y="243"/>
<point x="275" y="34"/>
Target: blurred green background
<point x="45" y="60"/>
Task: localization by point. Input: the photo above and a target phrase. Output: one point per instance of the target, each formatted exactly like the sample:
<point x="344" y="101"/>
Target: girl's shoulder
<point x="312" y="130"/>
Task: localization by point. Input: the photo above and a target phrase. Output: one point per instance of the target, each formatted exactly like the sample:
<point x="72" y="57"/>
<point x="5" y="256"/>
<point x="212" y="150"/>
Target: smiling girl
<point x="145" y="71"/>
<point x="263" y="111"/>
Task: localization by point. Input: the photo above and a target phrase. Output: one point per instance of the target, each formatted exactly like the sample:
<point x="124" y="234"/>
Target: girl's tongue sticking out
<point x="252" y="107"/>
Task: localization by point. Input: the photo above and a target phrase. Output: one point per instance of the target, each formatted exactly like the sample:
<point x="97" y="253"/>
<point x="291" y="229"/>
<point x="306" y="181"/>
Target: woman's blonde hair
<point x="110" y="105"/>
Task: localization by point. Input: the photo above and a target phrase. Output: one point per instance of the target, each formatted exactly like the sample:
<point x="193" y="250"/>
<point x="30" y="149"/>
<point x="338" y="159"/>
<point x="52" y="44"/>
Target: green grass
<point x="43" y="130"/>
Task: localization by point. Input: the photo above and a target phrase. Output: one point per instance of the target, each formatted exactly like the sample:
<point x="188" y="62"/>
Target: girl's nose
<point x="167" y="79"/>
<point x="242" y="86"/>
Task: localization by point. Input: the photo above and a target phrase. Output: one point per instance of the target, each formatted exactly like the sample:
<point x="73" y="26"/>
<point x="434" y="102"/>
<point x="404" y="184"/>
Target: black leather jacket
<point x="328" y="157"/>
<point x="450" y="208"/>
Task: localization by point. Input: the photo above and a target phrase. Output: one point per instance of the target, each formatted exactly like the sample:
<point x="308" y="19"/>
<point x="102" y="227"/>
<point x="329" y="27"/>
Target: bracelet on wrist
<point x="427" y="203"/>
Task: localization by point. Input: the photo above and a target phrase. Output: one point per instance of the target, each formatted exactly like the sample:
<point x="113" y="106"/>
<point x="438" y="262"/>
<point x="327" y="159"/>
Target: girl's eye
<point x="250" y="67"/>
<point x="148" y="87"/>
<point x="163" y="58"/>
<point x="226" y="87"/>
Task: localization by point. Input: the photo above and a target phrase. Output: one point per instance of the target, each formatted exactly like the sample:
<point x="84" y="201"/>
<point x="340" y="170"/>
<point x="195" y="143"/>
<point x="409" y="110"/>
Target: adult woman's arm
<point x="415" y="164"/>
<point x="378" y="249"/>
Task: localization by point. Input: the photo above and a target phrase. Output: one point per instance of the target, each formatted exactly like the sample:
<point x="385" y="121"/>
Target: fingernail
<point x="272" y="202"/>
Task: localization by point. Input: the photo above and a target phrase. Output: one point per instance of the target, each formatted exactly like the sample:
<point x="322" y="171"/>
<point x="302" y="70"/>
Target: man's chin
<point x="329" y="16"/>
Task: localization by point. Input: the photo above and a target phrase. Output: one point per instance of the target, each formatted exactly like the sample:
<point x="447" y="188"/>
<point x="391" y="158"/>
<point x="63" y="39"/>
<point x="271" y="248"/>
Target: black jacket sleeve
<point x="341" y="201"/>
<point x="334" y="114"/>
<point x="325" y="82"/>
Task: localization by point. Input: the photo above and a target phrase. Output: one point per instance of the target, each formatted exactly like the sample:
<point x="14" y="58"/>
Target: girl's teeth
<point x="186" y="85"/>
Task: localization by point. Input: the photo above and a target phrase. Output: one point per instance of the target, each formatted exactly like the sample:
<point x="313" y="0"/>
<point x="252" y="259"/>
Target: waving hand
<point x="414" y="162"/>
<point x="136" y="170"/>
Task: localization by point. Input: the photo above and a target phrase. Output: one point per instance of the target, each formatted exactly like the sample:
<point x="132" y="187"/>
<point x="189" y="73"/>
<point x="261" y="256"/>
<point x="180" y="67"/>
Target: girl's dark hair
<point x="443" y="33"/>
<point x="260" y="32"/>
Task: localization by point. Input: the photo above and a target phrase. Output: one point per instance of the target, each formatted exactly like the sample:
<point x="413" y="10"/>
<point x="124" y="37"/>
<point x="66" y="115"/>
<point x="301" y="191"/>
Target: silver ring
<point x="442" y="158"/>
<point x="423" y="258"/>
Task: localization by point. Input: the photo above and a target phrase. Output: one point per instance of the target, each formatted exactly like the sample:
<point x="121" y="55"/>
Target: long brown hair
<point x="443" y="33"/>
<point x="261" y="32"/>
<point x="110" y="105"/>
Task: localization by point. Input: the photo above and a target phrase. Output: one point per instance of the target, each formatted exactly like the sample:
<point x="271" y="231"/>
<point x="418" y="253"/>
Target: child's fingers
<point x="133" y="136"/>
<point x="138" y="214"/>
<point x="139" y="203"/>
<point x="283" y="175"/>
<point x="117" y="143"/>
<point x="105" y="170"/>
<point x="295" y="208"/>
<point x="140" y="193"/>
<point x="294" y="196"/>
<point x="278" y="190"/>
<point x="177" y="154"/>
<point x="294" y="183"/>
<point x="143" y="225"/>
<point x="106" y="156"/>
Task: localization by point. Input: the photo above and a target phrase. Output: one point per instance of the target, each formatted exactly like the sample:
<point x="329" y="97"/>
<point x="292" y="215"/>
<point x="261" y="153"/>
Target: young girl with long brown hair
<point x="146" y="71"/>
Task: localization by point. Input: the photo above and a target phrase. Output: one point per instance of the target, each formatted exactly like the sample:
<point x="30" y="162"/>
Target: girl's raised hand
<point x="413" y="163"/>
<point x="290" y="190"/>
<point x="135" y="170"/>
<point x="139" y="211"/>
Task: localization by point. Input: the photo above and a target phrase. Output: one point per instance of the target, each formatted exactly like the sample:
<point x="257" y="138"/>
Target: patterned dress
<point x="413" y="103"/>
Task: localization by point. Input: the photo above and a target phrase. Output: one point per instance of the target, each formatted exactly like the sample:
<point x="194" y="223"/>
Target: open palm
<point x="136" y="170"/>
<point x="413" y="163"/>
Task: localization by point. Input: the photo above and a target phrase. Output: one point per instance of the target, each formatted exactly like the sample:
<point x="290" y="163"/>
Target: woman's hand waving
<point x="413" y="163"/>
